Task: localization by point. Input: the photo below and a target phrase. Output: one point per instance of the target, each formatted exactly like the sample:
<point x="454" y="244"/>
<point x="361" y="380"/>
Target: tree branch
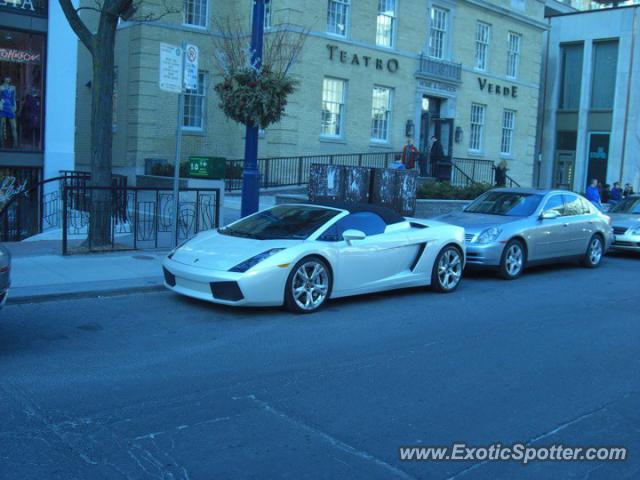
<point x="77" y="25"/>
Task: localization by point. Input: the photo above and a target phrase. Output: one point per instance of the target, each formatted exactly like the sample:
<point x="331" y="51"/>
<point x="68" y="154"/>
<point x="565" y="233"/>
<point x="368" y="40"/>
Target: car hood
<point x="627" y="220"/>
<point x="475" y="222"/>
<point x="214" y="251"/>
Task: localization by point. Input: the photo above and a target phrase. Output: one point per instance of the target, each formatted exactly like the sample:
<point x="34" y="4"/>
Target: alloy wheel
<point x="595" y="251"/>
<point x="310" y="285"/>
<point x="450" y="269"/>
<point x="514" y="260"/>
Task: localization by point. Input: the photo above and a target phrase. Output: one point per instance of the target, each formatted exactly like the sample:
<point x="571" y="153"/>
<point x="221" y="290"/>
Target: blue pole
<point x="250" y="174"/>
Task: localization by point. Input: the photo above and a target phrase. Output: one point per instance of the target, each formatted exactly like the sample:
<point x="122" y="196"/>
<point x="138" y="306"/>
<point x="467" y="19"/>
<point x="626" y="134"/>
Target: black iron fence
<point x="129" y="218"/>
<point x="467" y="171"/>
<point x="290" y="171"/>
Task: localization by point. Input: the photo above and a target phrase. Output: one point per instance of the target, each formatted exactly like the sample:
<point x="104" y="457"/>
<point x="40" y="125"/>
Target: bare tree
<point x="101" y="46"/>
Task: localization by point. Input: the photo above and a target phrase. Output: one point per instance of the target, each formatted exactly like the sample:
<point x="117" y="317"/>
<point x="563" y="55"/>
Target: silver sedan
<point x="625" y="218"/>
<point x="509" y="229"/>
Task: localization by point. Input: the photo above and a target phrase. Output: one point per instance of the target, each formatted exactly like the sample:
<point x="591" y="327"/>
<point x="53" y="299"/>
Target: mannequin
<point x="8" y="109"/>
<point x="30" y="116"/>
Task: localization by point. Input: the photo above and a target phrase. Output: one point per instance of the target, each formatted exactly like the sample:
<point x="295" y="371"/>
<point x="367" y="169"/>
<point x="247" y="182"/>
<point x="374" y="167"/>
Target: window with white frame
<point x="195" y="102"/>
<point x="386" y="23"/>
<point x="333" y="100"/>
<point x="267" y="14"/>
<point x="195" y="12"/>
<point x="477" y="127"/>
<point x="438" y="32"/>
<point x="338" y="17"/>
<point x="381" y="113"/>
<point x="513" y="54"/>
<point x="483" y="30"/>
<point x="508" y="125"/>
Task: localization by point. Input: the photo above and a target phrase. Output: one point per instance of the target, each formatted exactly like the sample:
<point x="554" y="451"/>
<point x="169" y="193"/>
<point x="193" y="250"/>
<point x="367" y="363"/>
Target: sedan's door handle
<point x="565" y="224"/>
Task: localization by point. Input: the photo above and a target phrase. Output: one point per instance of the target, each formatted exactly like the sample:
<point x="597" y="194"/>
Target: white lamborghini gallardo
<point x="300" y="255"/>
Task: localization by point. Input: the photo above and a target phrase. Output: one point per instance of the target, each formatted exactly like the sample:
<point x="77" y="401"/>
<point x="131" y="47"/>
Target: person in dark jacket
<point x="628" y="190"/>
<point x="437" y="160"/>
<point x="616" y="193"/>
<point x="605" y="194"/>
<point x="501" y="174"/>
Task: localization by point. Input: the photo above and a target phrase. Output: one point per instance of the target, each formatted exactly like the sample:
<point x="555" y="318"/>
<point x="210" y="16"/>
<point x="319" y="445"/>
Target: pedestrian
<point x="409" y="153"/>
<point x="628" y="190"/>
<point x="501" y="174"/>
<point x="593" y="193"/>
<point x="436" y="156"/>
<point x="616" y="193"/>
<point x="605" y="194"/>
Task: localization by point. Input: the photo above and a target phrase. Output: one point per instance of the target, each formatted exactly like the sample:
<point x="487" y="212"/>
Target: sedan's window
<point x="367" y="222"/>
<point x="628" y="205"/>
<point x="573" y="206"/>
<point x="287" y="222"/>
<point x="555" y="204"/>
<point x="586" y="205"/>
<point x="511" y="204"/>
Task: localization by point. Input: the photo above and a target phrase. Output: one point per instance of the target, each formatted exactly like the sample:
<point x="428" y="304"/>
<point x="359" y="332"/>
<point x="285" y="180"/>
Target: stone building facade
<point x="371" y="73"/>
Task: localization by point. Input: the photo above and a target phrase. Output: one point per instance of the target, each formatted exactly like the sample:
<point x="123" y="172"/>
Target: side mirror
<point x="351" y="235"/>
<point x="549" y="215"/>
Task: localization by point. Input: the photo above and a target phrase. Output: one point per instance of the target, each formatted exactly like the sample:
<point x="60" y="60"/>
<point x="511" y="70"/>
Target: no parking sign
<point x="191" y="67"/>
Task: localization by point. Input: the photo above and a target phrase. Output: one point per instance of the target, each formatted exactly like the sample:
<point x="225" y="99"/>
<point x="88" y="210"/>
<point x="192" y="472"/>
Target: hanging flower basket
<point x="254" y="97"/>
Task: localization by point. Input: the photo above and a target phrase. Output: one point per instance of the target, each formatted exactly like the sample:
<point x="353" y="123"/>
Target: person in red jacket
<point x="409" y="154"/>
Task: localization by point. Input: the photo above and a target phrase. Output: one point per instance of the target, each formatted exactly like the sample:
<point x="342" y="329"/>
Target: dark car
<point x="5" y="270"/>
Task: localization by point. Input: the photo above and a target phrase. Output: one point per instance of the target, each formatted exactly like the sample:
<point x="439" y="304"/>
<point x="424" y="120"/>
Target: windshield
<point x="285" y="222"/>
<point x="509" y="204"/>
<point x="628" y="205"/>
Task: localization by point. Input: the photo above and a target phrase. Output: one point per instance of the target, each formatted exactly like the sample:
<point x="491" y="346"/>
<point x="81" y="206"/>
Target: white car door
<point x="373" y="262"/>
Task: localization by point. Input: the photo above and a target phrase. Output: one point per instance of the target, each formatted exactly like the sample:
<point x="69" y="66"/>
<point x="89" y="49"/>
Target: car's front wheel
<point x="513" y="259"/>
<point x="308" y="285"/>
<point x="447" y="270"/>
<point x="594" y="254"/>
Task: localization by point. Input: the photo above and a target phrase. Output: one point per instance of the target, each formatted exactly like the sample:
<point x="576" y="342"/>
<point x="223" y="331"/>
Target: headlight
<point x="253" y="261"/>
<point x="489" y="235"/>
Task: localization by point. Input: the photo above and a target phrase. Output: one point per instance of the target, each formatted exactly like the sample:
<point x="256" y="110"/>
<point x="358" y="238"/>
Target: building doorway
<point x="598" y="160"/>
<point x="564" y="170"/>
<point x="432" y="124"/>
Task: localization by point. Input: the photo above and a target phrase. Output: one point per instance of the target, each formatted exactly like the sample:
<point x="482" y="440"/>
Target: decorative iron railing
<point x="439" y="69"/>
<point x="290" y="171"/>
<point x="134" y="217"/>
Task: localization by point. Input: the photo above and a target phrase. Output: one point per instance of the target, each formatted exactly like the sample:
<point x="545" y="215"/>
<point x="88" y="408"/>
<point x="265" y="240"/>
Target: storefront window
<point x="21" y="90"/>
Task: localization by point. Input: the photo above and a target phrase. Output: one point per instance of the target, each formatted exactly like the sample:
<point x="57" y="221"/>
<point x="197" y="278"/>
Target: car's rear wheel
<point x="308" y="285"/>
<point x="447" y="270"/>
<point x="595" y="251"/>
<point x="513" y="260"/>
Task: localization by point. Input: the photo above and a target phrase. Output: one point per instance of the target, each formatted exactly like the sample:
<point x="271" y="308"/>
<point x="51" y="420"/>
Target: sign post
<point x="178" y="71"/>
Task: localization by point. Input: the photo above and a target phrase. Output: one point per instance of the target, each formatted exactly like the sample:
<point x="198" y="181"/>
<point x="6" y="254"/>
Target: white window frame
<point x="199" y="95"/>
<point x="508" y="128"/>
<point x="476" y="130"/>
<point x="341" y="110"/>
<point x="333" y="30"/>
<point x="438" y="32"/>
<point x="376" y="126"/>
<point x="190" y="10"/>
<point x="514" y="45"/>
<point x="483" y="39"/>
<point x="387" y="11"/>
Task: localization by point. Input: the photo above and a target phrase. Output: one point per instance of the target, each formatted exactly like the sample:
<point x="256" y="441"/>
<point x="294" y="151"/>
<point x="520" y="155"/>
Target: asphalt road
<point x="159" y="386"/>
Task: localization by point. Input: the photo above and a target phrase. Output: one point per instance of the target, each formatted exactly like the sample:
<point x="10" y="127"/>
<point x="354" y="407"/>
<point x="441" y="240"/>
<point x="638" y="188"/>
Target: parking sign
<point x="191" y="67"/>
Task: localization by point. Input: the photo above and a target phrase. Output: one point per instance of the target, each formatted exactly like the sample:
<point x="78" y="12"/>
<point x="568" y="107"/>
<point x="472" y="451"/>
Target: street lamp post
<point x="250" y="174"/>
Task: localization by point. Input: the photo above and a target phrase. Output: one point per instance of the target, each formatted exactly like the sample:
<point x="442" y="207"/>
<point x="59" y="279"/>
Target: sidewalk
<point x="39" y="272"/>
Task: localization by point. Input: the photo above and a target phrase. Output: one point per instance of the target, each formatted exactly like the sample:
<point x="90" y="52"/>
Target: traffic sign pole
<point x="176" y="164"/>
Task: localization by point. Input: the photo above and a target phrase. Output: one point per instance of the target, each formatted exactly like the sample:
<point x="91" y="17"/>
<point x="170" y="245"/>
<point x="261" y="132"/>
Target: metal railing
<point x="134" y="218"/>
<point x="439" y="69"/>
<point x="290" y="171"/>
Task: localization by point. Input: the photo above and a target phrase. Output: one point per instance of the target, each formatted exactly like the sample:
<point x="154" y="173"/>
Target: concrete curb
<point x="110" y="288"/>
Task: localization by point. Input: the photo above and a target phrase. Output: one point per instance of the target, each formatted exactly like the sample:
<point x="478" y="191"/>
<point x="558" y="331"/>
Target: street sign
<point x="170" y="68"/>
<point x="207" y="167"/>
<point x="191" y="67"/>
